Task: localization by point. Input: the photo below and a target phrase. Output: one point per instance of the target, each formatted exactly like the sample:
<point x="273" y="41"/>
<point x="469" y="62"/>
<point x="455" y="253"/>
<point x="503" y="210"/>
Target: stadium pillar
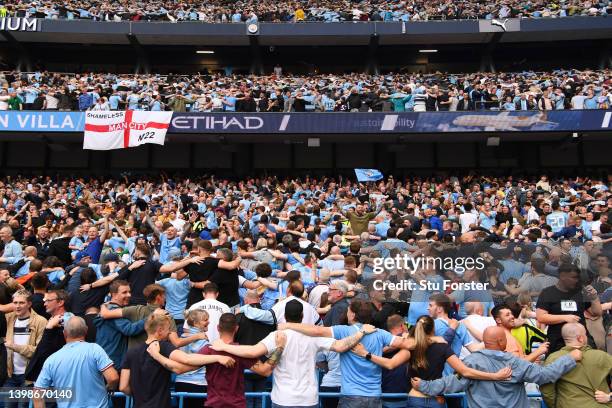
<point x="4" y="156"/>
<point x="47" y="157"/>
<point x="98" y="161"/>
<point x="143" y="65"/>
<point x="605" y="59"/>
<point x="256" y="63"/>
<point x="486" y="60"/>
<point x="242" y="159"/>
<point x="24" y="62"/>
<point x="372" y="59"/>
<point x="384" y="160"/>
<point x="580" y="149"/>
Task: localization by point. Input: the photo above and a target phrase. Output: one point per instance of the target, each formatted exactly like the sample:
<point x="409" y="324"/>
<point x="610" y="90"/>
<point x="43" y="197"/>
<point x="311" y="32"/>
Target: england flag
<point x="119" y="130"/>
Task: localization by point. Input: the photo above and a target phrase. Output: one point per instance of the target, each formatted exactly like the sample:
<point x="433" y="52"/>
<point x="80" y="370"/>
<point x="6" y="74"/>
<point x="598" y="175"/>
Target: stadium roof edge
<point x="347" y="33"/>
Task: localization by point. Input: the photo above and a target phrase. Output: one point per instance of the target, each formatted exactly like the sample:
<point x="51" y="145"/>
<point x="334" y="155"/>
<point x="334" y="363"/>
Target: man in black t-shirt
<point x="227" y="280"/>
<point x="140" y="273"/>
<point x="299" y="104"/>
<point x="566" y="302"/>
<point x="201" y="269"/>
<point x="432" y="99"/>
<point x="395" y="380"/>
<point x="443" y="101"/>
<point x="198" y="274"/>
<point x="148" y="381"/>
<point x="59" y="246"/>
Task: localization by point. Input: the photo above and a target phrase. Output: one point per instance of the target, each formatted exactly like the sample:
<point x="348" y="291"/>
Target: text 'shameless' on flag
<point x="119" y="130"/>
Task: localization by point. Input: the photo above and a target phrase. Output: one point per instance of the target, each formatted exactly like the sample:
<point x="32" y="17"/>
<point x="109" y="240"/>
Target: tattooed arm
<point x="265" y="369"/>
<point x="347" y="343"/>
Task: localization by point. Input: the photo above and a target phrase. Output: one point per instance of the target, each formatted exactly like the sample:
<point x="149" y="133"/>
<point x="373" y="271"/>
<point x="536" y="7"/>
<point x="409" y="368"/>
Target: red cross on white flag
<point x="118" y="130"/>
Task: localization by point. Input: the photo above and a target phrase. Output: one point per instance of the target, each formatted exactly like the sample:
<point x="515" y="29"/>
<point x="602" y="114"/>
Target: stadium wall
<point x="252" y="143"/>
<point x="243" y="159"/>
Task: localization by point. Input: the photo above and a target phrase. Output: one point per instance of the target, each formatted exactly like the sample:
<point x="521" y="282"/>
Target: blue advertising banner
<point x="322" y="123"/>
<point x="34" y="121"/>
<point x="405" y="122"/>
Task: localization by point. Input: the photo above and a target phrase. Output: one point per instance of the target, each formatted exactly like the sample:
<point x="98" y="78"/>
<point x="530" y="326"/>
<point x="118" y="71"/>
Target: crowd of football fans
<point x="224" y="11"/>
<point x="110" y="284"/>
<point x="560" y="89"/>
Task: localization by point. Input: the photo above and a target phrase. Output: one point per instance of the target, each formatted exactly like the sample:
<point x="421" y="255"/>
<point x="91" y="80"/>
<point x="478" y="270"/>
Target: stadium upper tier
<point x="250" y="11"/>
<point x="560" y="89"/>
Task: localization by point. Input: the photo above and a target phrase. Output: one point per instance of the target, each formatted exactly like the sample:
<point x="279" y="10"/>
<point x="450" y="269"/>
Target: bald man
<point x="499" y="394"/>
<point x="585" y="386"/>
<point x="476" y="322"/>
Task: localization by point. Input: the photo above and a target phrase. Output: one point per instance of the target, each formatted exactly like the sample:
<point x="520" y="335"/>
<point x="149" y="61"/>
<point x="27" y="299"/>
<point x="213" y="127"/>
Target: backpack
<point x="527" y="335"/>
<point x="251" y="332"/>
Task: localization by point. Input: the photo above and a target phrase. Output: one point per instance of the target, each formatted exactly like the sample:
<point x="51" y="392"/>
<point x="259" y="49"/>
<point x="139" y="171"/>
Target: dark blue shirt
<point x="112" y="335"/>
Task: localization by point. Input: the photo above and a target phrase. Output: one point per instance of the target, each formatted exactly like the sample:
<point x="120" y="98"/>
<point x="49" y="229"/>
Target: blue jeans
<point x="291" y="406"/>
<point x="416" y="402"/>
<point x="360" y="402"/>
<point x="394" y="404"/>
<point x="15" y="381"/>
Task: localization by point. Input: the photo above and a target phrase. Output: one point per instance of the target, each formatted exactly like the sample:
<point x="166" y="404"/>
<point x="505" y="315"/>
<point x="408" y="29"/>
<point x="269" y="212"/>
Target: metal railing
<point x="267" y="403"/>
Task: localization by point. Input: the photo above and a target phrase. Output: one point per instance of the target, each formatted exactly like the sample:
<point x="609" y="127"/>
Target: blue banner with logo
<point x="404" y="122"/>
<point x="34" y="121"/>
<point x="336" y="122"/>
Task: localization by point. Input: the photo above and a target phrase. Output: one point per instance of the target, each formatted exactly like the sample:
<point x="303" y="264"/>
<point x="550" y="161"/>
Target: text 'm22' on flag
<point x="105" y="130"/>
<point x="368" y="174"/>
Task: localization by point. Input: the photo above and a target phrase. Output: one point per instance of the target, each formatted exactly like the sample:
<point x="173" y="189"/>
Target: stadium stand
<point x="222" y="11"/>
<point x="555" y="90"/>
<point x="280" y="244"/>
<point x="314" y="204"/>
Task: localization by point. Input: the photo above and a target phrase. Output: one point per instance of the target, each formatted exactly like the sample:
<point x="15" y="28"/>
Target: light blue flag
<point x="368" y="174"/>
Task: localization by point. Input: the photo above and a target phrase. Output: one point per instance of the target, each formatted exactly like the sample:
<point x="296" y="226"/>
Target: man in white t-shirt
<point x="467" y="218"/>
<point x="214" y="308"/>
<point x="295" y="381"/>
<point x="295" y="291"/>
<point x="596" y="225"/>
<point x="475" y="322"/>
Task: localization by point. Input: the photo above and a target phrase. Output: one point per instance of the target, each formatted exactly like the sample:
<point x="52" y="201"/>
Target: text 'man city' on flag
<point x="106" y="130"/>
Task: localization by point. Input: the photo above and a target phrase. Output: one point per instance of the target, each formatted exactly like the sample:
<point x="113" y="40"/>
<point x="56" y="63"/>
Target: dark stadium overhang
<point x="348" y="33"/>
<point x="327" y="138"/>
